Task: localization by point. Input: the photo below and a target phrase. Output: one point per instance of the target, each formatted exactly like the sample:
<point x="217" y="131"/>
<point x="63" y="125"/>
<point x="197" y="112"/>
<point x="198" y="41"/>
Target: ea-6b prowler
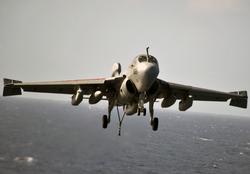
<point x="131" y="90"/>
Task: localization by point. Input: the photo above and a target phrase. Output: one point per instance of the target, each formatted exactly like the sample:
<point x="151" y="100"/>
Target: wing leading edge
<point x="238" y="98"/>
<point x="88" y="86"/>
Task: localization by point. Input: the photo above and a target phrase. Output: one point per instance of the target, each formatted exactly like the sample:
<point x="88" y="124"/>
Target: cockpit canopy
<point x="151" y="59"/>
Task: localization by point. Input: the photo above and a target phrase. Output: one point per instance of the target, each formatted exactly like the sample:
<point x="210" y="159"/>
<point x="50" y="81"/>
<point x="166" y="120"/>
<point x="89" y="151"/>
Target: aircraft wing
<point x="179" y="91"/>
<point x="88" y="86"/>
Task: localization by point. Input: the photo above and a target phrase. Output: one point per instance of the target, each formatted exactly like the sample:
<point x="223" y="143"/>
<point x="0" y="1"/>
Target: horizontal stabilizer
<point x="241" y="100"/>
<point x="10" y="88"/>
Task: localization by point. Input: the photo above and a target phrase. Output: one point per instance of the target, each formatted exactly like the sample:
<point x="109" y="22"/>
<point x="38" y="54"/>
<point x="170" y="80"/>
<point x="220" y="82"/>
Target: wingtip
<point x="9" y="88"/>
<point x="241" y="101"/>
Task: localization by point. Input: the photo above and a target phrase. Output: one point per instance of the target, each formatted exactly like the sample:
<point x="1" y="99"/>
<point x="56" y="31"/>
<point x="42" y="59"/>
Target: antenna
<point x="147" y="52"/>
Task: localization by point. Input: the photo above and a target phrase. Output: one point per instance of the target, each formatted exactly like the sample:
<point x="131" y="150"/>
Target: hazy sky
<point x="203" y="43"/>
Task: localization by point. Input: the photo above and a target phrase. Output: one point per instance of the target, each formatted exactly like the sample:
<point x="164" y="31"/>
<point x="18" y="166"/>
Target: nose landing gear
<point x="141" y="105"/>
<point x="143" y="110"/>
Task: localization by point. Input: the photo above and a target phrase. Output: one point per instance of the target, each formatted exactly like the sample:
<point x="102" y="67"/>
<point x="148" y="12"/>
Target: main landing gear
<point x="154" y="124"/>
<point x="154" y="121"/>
<point x="106" y="121"/>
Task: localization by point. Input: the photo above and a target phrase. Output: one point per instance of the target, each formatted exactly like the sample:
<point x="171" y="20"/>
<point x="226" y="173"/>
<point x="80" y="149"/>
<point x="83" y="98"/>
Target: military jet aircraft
<point x="130" y="91"/>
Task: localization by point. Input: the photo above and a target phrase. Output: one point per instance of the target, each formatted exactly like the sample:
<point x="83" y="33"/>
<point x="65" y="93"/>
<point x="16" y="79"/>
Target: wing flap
<point x="57" y="89"/>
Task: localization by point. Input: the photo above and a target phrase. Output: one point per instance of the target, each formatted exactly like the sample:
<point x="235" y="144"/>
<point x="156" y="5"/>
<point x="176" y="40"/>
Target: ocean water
<point x="42" y="136"/>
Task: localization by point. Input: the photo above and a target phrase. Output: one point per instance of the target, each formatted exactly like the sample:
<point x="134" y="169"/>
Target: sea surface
<point x="53" y="137"/>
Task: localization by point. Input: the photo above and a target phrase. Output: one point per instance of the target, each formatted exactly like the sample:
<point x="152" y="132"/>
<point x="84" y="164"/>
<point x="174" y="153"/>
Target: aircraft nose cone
<point x="150" y="73"/>
<point x="146" y="77"/>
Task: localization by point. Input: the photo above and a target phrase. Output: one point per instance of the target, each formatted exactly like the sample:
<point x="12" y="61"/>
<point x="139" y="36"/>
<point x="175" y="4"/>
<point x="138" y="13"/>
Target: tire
<point x="144" y="112"/>
<point x="104" y="121"/>
<point x="155" y="123"/>
<point x="138" y="112"/>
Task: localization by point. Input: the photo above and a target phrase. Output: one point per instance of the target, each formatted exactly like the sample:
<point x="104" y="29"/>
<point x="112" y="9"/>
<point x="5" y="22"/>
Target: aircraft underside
<point x="130" y="91"/>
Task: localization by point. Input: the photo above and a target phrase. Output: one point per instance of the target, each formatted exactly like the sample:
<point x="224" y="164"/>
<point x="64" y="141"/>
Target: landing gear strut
<point x="106" y="119"/>
<point x="141" y="105"/>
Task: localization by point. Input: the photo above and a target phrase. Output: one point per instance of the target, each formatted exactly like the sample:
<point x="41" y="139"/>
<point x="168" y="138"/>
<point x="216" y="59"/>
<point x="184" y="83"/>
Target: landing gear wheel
<point x="138" y="112"/>
<point x="154" y="124"/>
<point x="144" y="111"/>
<point x="105" y="121"/>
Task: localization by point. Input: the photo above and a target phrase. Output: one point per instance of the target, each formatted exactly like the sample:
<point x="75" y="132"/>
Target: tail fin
<point x="10" y="89"/>
<point x="241" y="100"/>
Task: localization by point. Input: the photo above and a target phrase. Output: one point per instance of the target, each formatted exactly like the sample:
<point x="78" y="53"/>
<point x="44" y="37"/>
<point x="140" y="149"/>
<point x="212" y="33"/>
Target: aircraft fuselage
<point x="141" y="75"/>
